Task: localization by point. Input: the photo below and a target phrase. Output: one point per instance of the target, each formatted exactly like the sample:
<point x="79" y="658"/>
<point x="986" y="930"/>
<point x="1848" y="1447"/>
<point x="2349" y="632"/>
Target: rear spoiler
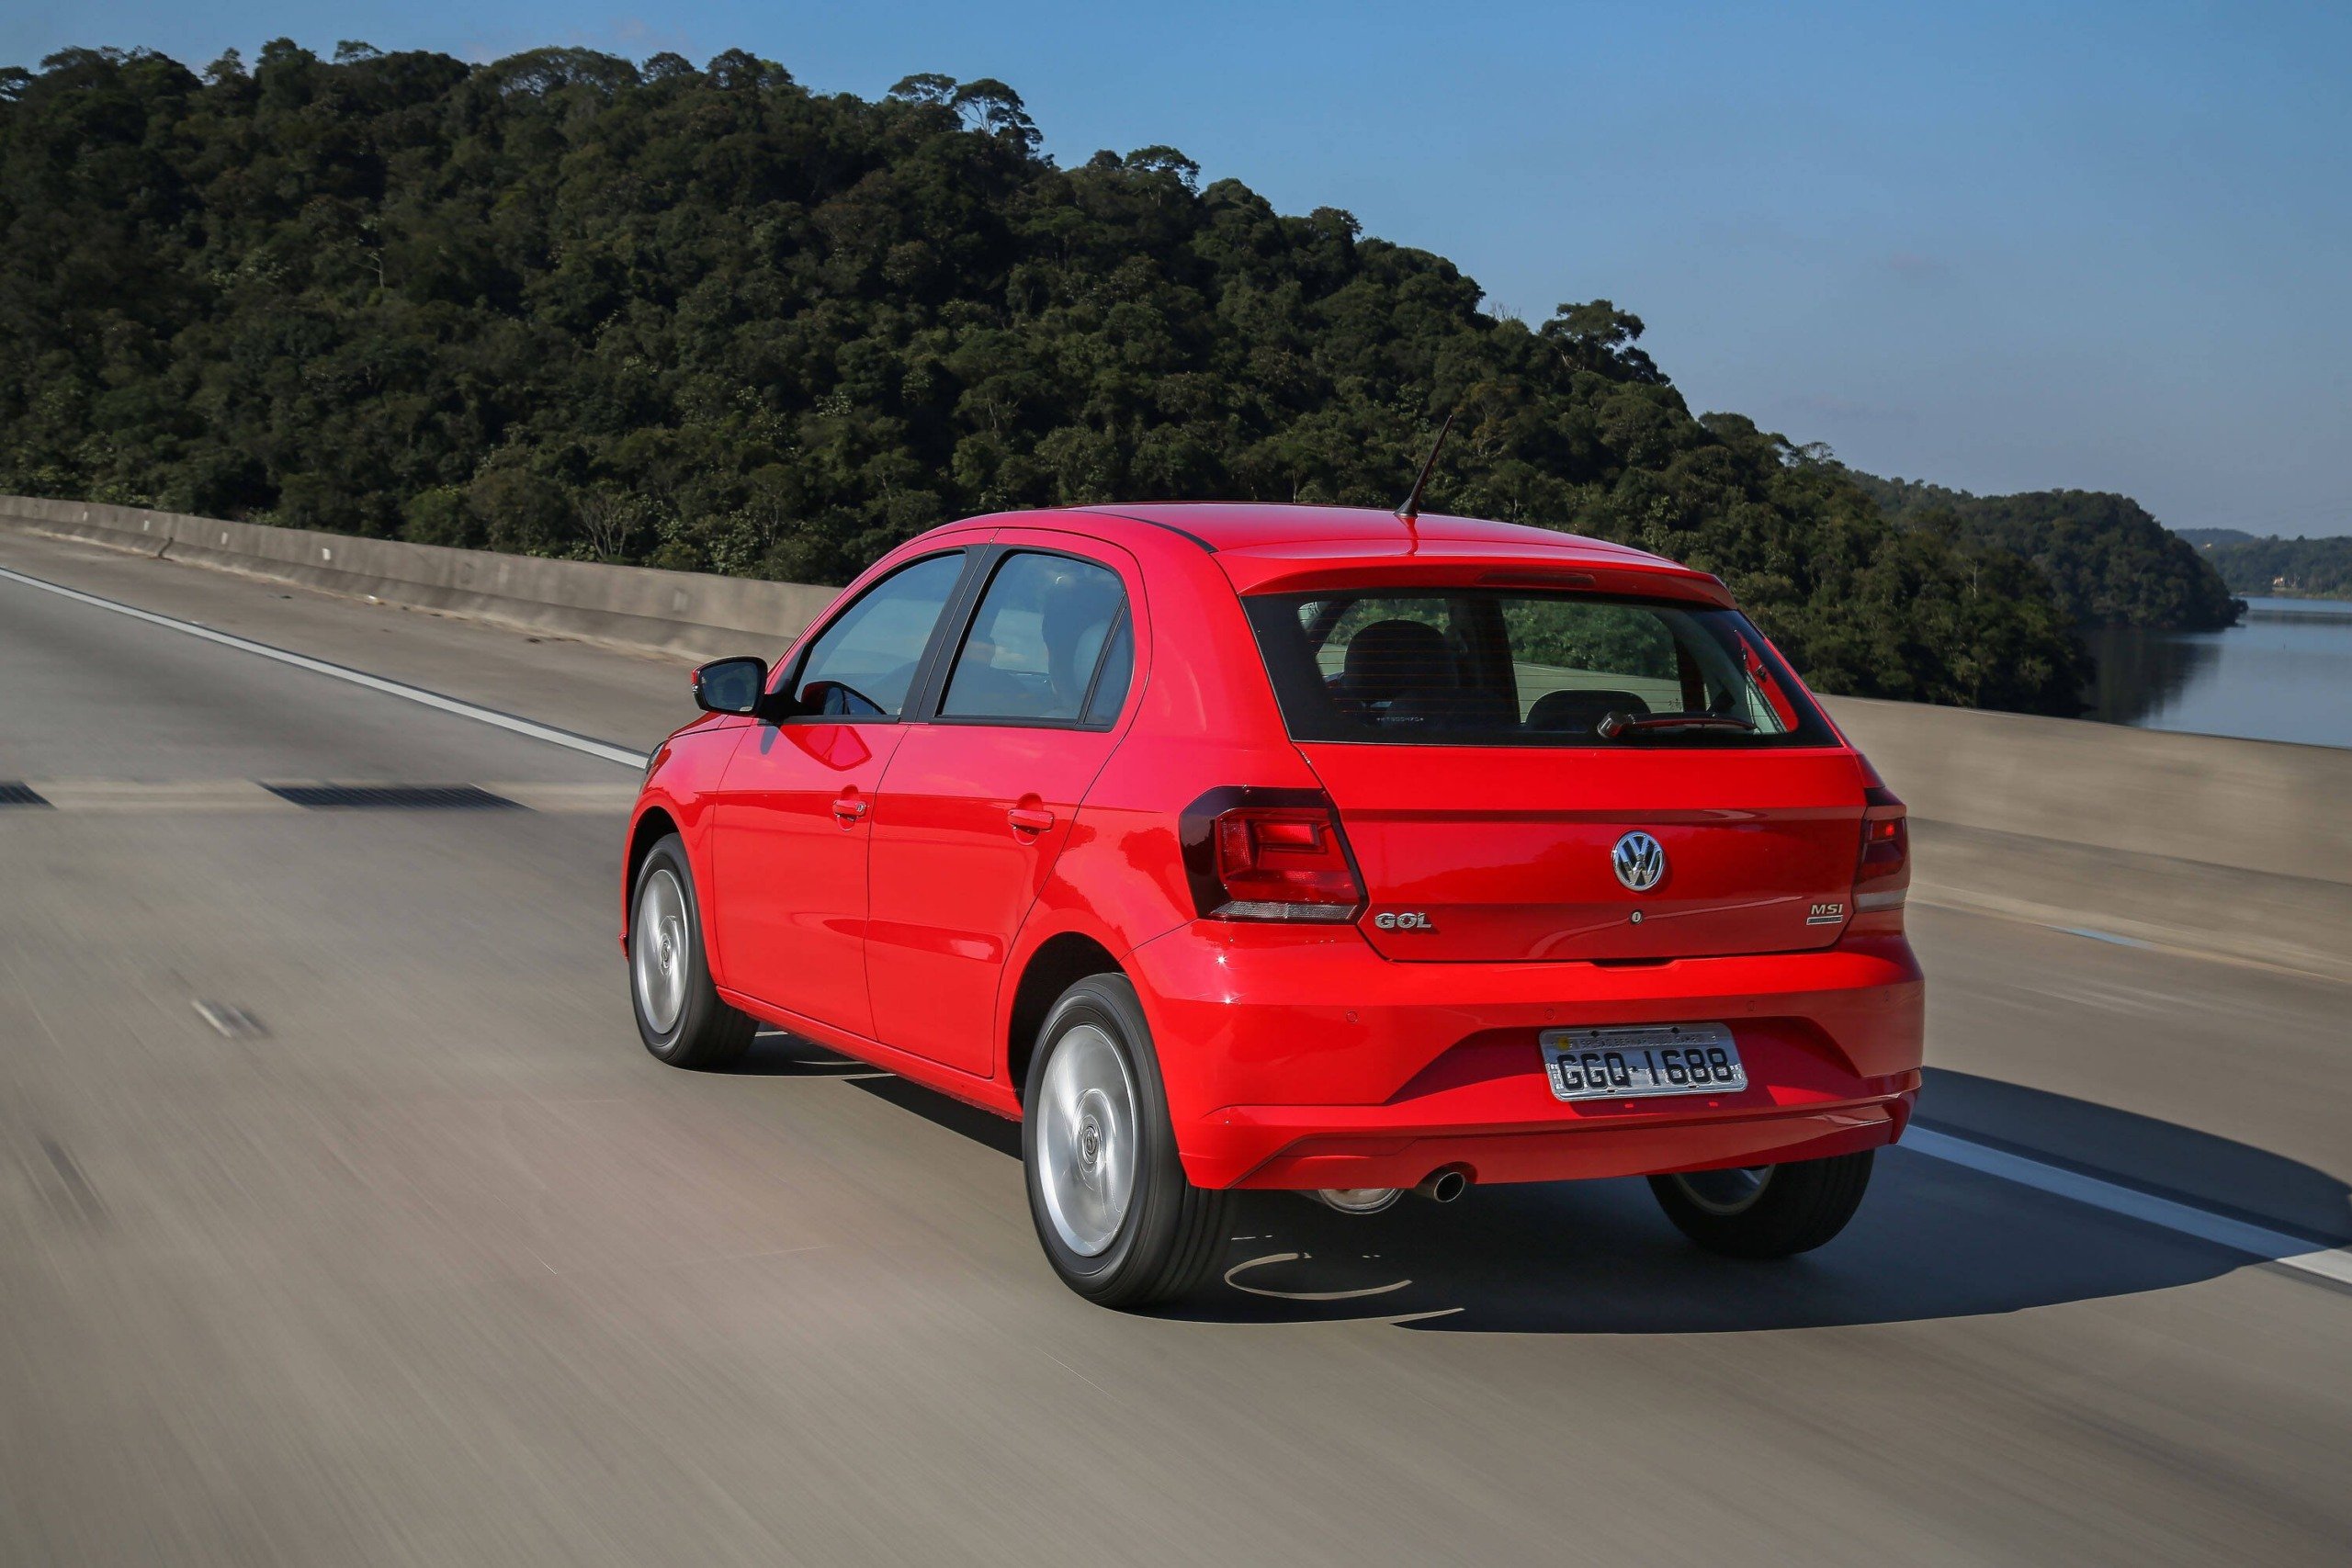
<point x="1360" y="564"/>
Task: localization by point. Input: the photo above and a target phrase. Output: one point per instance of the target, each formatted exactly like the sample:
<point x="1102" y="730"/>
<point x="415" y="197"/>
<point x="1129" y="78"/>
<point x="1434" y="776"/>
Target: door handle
<point x="847" y="809"/>
<point x="1029" y="818"/>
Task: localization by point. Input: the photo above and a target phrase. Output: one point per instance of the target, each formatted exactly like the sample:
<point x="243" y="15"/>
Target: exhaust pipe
<point x="1444" y="1186"/>
<point x="1439" y="1187"/>
<point x="1357" y="1199"/>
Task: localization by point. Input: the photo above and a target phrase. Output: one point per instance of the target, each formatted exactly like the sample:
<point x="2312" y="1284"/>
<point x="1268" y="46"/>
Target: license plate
<point x="1642" y="1062"/>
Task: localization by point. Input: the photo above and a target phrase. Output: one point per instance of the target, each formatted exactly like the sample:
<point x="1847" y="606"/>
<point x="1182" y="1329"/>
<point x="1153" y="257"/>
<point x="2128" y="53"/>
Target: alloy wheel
<point x="658" y="950"/>
<point x="1087" y="1140"/>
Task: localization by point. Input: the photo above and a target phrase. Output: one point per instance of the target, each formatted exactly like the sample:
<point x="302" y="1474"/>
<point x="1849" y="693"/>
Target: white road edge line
<point x="546" y="732"/>
<point x="2273" y="1246"/>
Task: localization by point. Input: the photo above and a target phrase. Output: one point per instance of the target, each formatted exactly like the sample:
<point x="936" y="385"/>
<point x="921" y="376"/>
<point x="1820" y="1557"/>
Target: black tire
<point x="704" y="1032"/>
<point x="1170" y="1232"/>
<point x="1795" y="1207"/>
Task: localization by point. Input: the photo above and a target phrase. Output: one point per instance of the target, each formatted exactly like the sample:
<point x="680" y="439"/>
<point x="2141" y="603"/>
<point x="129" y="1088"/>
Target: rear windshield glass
<point x="1478" y="667"/>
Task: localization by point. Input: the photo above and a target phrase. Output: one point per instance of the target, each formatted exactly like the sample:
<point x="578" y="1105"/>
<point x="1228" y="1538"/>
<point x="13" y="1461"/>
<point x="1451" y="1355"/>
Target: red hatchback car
<point x="1307" y="848"/>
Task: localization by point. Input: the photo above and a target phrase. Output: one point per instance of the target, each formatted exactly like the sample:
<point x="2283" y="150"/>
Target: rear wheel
<point x="1117" y="1218"/>
<point x="1766" y="1211"/>
<point x="679" y="1014"/>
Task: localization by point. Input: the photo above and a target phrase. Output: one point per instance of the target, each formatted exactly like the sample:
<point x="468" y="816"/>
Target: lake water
<point x="2284" y="673"/>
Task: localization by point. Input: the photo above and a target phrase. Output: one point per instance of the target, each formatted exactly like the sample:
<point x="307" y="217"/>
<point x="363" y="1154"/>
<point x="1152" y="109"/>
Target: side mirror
<point x="732" y="685"/>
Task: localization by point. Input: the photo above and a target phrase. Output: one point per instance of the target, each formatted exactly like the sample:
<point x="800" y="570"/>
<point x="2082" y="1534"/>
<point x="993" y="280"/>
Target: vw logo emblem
<point x="1639" y="861"/>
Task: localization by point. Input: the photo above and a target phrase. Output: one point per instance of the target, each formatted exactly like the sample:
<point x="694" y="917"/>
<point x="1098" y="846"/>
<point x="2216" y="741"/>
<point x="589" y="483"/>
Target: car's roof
<point x="1268" y="547"/>
<point x="1247" y="525"/>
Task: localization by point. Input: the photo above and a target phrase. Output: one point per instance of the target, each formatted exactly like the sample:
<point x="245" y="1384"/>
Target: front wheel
<point x="1117" y="1218"/>
<point x="679" y="1014"/>
<point x="1766" y="1211"/>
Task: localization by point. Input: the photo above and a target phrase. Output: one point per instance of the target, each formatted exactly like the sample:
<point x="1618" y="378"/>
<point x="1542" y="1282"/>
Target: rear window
<point x="1478" y="667"/>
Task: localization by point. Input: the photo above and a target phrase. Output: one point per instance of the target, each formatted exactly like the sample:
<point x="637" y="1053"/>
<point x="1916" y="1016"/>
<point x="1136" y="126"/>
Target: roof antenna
<point x="1411" y="511"/>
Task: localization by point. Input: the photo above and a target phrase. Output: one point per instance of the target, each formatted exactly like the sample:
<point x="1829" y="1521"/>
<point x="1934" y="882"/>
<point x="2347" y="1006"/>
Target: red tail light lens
<point x="1883" y="874"/>
<point x="1269" y="856"/>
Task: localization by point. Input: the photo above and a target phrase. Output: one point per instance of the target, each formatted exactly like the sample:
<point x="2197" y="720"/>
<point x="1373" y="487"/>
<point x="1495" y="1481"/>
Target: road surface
<point x="343" y="1219"/>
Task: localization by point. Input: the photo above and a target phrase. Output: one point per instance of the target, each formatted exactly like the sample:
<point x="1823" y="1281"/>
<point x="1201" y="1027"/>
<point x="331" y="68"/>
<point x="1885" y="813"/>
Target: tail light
<point x="1269" y="854"/>
<point x="1882" y="874"/>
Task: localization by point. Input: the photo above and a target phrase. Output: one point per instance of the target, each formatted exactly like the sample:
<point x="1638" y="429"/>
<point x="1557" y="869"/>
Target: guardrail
<point x="2257" y="806"/>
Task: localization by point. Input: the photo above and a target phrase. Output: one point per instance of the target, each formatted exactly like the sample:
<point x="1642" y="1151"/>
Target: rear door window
<point x="1048" y="645"/>
<point x="1476" y="667"/>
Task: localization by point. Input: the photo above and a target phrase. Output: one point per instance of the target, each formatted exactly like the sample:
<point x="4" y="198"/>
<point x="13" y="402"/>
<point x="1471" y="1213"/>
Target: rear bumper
<point x="1299" y="1058"/>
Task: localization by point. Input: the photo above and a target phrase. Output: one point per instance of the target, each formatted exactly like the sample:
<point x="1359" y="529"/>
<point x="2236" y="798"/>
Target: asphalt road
<point x="408" y="1253"/>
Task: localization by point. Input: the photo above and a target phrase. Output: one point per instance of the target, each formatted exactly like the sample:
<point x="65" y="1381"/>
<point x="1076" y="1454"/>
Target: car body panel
<point x="682" y="778"/>
<point x="788" y="876"/>
<point x="954" y="877"/>
<point x="1294" y="1035"/>
<point x="1504" y="852"/>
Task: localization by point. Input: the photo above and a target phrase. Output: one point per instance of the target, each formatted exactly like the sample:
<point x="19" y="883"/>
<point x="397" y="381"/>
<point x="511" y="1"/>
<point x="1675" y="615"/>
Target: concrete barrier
<point x="2196" y="845"/>
<point x="685" y="612"/>
<point x="2254" y="805"/>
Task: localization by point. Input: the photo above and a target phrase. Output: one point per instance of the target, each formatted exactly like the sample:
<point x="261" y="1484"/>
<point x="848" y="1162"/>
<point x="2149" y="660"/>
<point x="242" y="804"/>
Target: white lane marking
<point x="245" y="795"/>
<point x="2274" y="1246"/>
<point x="546" y="732"/>
<point x="2108" y="936"/>
<point x="617" y="797"/>
<point x="171" y="795"/>
<point x="233" y="1022"/>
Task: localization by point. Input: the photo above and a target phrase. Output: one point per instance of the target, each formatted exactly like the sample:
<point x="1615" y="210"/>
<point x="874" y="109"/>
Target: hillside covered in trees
<point x="2109" y="561"/>
<point x="2258" y="563"/>
<point x="705" y="318"/>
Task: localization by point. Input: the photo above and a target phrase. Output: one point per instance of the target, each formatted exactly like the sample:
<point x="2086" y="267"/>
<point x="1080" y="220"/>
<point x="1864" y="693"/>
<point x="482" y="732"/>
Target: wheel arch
<point x="653" y="825"/>
<point x="1056" y="965"/>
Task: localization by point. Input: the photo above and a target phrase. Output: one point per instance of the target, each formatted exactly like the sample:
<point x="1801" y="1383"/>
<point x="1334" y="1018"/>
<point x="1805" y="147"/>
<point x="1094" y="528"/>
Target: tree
<point x="2108" y="561"/>
<point x="708" y="319"/>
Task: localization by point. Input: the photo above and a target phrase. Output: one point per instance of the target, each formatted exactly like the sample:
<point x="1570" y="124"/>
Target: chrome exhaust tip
<point x="1357" y="1199"/>
<point x="1444" y="1186"/>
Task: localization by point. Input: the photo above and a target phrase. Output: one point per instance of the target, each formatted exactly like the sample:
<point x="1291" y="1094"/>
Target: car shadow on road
<point x="1933" y="1240"/>
<point x="775" y="1054"/>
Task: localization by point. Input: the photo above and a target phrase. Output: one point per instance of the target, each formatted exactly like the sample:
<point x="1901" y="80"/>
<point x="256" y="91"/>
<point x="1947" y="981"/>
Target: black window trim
<point x="965" y="612"/>
<point x="925" y="666"/>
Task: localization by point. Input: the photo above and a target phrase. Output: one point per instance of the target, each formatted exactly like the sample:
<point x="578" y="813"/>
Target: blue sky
<point x="2002" y="247"/>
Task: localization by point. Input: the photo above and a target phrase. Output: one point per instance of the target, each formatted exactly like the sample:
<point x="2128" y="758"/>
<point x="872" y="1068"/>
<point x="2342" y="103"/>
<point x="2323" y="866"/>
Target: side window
<point x="862" y="664"/>
<point x="1037" y="643"/>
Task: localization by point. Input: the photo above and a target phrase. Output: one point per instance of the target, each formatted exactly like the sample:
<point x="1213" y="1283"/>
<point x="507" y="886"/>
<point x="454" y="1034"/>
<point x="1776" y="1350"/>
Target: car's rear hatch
<point x="1508" y="853"/>
<point x="1497" y="749"/>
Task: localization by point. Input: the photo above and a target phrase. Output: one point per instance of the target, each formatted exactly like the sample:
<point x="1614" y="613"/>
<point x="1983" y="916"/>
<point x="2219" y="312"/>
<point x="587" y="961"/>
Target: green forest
<point x="706" y="317"/>
<point x="2110" y="563"/>
<point x="2293" y="569"/>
